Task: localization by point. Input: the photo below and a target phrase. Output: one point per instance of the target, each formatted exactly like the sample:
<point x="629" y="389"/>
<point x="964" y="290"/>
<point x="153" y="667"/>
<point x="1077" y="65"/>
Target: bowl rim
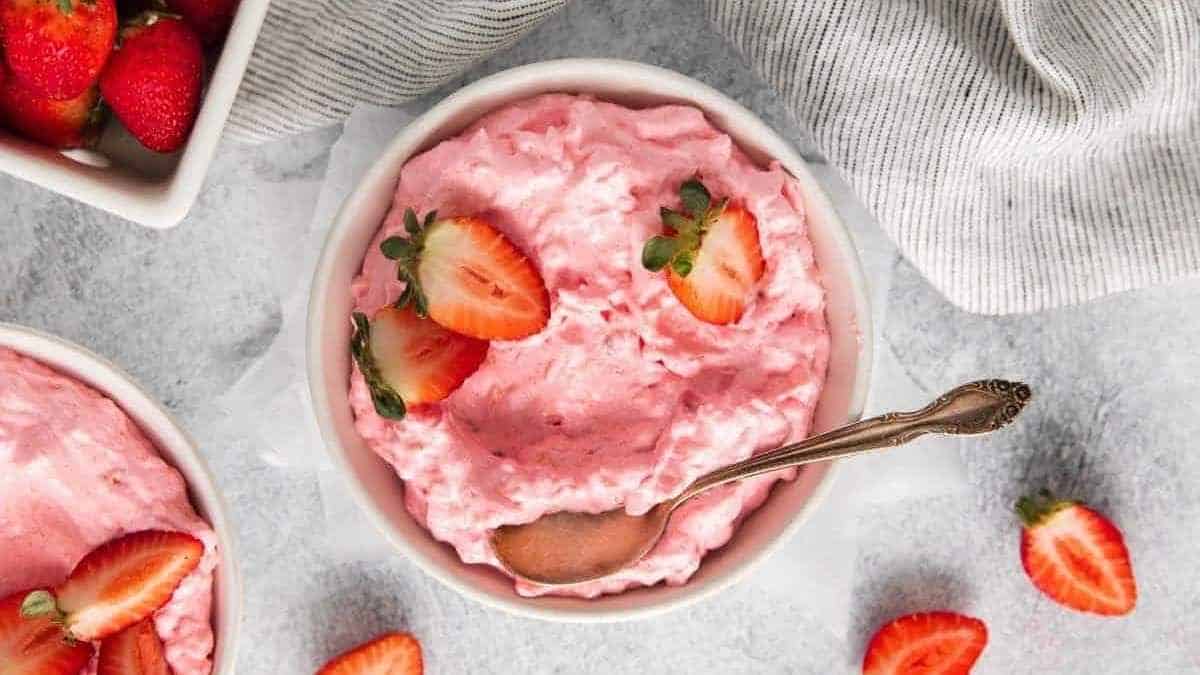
<point x="414" y="138"/>
<point x="80" y="363"/>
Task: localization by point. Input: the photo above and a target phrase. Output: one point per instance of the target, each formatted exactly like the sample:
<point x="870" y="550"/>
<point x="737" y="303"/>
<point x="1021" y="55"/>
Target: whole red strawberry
<point x="153" y="81"/>
<point x="61" y="124"/>
<point x="57" y="48"/>
<point x="210" y="18"/>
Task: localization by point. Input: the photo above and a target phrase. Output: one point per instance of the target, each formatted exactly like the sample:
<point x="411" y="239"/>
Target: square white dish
<point x="137" y="184"/>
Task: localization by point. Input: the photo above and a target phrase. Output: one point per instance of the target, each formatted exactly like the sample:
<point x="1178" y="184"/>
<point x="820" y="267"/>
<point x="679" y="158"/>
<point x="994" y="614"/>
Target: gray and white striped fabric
<point x="1023" y="154"/>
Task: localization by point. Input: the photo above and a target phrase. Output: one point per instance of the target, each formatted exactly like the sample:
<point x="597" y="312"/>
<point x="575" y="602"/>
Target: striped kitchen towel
<point x="1023" y="154"/>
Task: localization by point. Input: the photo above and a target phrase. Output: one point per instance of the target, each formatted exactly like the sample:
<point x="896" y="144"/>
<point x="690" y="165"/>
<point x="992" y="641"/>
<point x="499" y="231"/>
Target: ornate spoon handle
<point x="973" y="408"/>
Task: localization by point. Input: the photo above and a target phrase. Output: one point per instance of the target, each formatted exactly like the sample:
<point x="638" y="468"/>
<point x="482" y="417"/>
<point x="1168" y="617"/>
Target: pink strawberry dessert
<point x="76" y="473"/>
<point x="574" y="305"/>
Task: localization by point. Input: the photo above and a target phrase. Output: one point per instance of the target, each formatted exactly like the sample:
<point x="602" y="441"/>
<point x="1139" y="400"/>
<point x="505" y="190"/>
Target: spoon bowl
<point x="569" y="547"/>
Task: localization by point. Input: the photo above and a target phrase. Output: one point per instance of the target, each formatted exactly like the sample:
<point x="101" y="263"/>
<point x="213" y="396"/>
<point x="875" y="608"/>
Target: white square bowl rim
<point x="565" y="75"/>
<point x="170" y="440"/>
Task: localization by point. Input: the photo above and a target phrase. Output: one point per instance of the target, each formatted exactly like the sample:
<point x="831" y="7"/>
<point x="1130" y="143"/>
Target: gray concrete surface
<point x="1116" y="419"/>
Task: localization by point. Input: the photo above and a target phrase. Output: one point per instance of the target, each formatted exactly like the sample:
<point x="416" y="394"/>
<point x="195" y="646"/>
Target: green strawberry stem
<point x="1033" y="510"/>
<point x="387" y="402"/>
<point x="684" y="232"/>
<point x="40" y="604"/>
<point x="406" y="251"/>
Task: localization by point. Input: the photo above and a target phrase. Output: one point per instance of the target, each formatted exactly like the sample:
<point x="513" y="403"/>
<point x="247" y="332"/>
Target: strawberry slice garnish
<point x="389" y="654"/>
<point x="465" y="275"/>
<point x="712" y="255"/>
<point x="36" y="645"/>
<point x="137" y="650"/>
<point x="118" y="584"/>
<point x="1076" y="556"/>
<point x="928" y="643"/>
<point x="407" y="360"/>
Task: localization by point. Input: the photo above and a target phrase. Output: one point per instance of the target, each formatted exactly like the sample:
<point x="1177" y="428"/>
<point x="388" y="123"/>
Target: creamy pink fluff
<point x="75" y="472"/>
<point x="625" y="397"/>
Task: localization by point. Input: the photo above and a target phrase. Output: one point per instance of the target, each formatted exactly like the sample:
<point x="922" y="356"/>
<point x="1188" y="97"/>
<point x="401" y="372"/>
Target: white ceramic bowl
<point x="175" y="447"/>
<point x="376" y="486"/>
<point x="124" y="178"/>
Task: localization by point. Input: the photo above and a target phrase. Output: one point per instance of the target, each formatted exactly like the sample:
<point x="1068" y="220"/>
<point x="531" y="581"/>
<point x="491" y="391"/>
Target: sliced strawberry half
<point x="137" y="650"/>
<point x="928" y="643"/>
<point x="118" y="584"/>
<point x="465" y="275"/>
<point x="712" y="255"/>
<point x="36" y="645"/>
<point x="1076" y="556"/>
<point x="407" y="360"/>
<point x="389" y="654"/>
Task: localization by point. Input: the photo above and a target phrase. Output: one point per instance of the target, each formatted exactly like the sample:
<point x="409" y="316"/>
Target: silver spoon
<point x="568" y="547"/>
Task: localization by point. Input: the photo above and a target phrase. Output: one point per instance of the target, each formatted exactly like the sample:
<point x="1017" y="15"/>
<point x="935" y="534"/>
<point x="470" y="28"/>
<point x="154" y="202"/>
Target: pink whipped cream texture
<point x="75" y="472"/>
<point x="625" y="397"/>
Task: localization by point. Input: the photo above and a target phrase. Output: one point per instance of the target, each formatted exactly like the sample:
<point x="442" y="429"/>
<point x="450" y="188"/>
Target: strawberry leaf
<point x="695" y="197"/>
<point x="407" y="252"/>
<point x="682" y="264"/>
<point x="396" y="248"/>
<point x="410" y="223"/>
<point x="387" y="402"/>
<point x="65" y="7"/>
<point x="658" y="251"/>
<point x="41" y="604"/>
<point x="675" y="220"/>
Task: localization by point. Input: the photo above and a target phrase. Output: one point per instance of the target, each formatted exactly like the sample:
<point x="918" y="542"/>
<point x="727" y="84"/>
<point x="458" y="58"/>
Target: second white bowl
<point x="175" y="447"/>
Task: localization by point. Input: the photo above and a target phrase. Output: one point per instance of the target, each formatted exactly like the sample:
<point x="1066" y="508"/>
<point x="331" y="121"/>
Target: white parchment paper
<point x="818" y="564"/>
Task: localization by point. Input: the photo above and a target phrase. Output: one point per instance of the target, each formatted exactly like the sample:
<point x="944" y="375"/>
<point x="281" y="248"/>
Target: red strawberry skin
<point x="152" y="83"/>
<point x="1077" y="557"/>
<point x="137" y="650"/>
<point x="389" y="654"/>
<point x="125" y="580"/>
<point x="210" y="18"/>
<point x="927" y="643"/>
<point x="53" y="53"/>
<point x="36" y="646"/>
<point x="60" y="124"/>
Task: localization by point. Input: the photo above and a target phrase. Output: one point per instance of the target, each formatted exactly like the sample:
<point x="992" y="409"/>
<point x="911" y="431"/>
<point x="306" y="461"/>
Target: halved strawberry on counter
<point x="407" y="360"/>
<point x="927" y="643"/>
<point x="711" y="253"/>
<point x="137" y="650"/>
<point x="118" y="584"/>
<point x="388" y="654"/>
<point x="57" y="48"/>
<point x="467" y="276"/>
<point x="36" y="646"/>
<point x="1076" y="556"/>
<point x="153" y="81"/>
<point x="72" y="123"/>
